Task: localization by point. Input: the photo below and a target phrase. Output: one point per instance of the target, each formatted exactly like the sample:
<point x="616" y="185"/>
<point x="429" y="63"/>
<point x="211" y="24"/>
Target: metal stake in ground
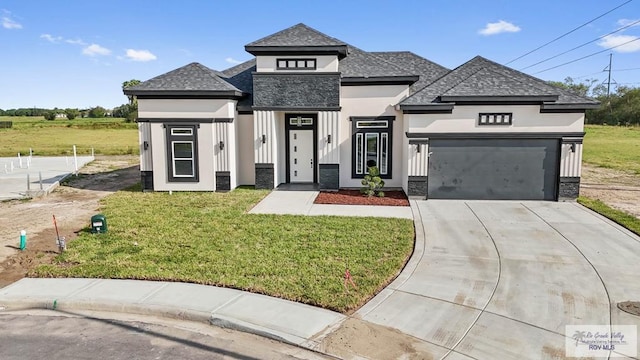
<point x="61" y="242"/>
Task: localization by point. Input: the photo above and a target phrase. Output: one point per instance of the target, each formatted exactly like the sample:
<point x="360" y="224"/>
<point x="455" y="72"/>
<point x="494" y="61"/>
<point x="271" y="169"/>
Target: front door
<point x="301" y="156"/>
<point x="301" y="148"/>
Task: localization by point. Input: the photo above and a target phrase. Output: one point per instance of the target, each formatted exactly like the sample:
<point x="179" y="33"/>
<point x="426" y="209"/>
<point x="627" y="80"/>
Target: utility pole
<point x="609" y="80"/>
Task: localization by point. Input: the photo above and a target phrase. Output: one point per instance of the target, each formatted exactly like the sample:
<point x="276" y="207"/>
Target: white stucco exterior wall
<point x="186" y="108"/>
<point x="209" y="136"/>
<point x="526" y="118"/>
<point x="324" y="63"/>
<point x="378" y="100"/>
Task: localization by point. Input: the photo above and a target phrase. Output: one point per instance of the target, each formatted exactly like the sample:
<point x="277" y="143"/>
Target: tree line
<point x="619" y="105"/>
<point x="128" y="111"/>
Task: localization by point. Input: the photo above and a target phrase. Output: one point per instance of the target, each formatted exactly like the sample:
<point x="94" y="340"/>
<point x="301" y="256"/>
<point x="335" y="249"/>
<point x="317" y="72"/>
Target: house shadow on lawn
<point x="127" y="179"/>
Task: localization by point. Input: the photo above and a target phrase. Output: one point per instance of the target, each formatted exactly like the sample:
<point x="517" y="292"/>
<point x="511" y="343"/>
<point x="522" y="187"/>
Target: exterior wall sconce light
<point x="145" y="145"/>
<point x="264" y="138"/>
<point x="418" y="148"/>
<point x="329" y="139"/>
<point x="221" y="145"/>
<point x="573" y="147"/>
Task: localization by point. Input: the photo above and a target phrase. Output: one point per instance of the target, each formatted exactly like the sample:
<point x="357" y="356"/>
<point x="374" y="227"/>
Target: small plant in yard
<point x="372" y="183"/>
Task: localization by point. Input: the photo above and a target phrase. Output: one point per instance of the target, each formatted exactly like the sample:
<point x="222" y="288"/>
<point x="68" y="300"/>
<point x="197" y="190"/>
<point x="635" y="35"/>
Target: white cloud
<point x="617" y="40"/>
<point x="498" y="27"/>
<point x="75" y="42"/>
<point x="231" y="60"/>
<point x="625" y="22"/>
<point x="95" y="49"/>
<point x="9" y="23"/>
<point x="140" y="55"/>
<point x="51" y="38"/>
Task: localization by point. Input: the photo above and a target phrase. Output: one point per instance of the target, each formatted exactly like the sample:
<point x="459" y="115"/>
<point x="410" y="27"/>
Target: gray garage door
<point x="516" y="169"/>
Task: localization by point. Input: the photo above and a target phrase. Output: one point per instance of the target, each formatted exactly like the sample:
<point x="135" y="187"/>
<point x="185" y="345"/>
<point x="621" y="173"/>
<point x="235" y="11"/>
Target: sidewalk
<point x="262" y="315"/>
<point x="301" y="203"/>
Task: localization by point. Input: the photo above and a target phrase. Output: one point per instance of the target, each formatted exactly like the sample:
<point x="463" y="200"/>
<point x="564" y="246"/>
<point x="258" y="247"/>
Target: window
<point x="299" y="121"/>
<point x="495" y="118"/>
<point x="296" y="64"/>
<point x="371" y="145"/>
<point x="182" y="151"/>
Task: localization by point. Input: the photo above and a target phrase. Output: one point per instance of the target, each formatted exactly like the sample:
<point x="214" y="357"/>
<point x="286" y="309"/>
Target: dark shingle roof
<point x="427" y="70"/>
<point x="193" y="77"/>
<point x="297" y="35"/>
<point x="241" y="77"/>
<point x="482" y="77"/>
<point x="359" y="63"/>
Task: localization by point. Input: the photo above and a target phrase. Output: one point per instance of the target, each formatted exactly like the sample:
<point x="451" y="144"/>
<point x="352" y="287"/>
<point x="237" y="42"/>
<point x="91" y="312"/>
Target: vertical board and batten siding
<point x="221" y="133"/>
<point x="418" y="162"/>
<point x="144" y="134"/>
<point x="328" y="124"/>
<point x="571" y="161"/>
<point x="264" y="124"/>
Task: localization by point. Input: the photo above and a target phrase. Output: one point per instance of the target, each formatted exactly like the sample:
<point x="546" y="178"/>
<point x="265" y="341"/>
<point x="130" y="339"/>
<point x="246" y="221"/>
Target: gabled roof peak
<point x="191" y="78"/>
<point x="297" y="35"/>
<point x="297" y="39"/>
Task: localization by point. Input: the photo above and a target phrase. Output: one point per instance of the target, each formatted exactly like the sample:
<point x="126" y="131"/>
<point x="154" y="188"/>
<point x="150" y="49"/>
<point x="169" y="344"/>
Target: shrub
<point x="50" y="115"/>
<point x="372" y="183"/>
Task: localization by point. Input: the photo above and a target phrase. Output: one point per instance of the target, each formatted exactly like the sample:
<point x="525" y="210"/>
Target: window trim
<point x="173" y="137"/>
<point x="359" y="133"/>
<point x="296" y="67"/>
<point x="495" y="116"/>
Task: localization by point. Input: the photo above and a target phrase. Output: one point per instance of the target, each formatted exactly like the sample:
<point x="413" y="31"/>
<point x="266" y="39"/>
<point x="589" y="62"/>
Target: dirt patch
<point x="73" y="204"/>
<point x="354" y="197"/>
<point x="632" y="307"/>
<point x="618" y="189"/>
<point x="356" y="338"/>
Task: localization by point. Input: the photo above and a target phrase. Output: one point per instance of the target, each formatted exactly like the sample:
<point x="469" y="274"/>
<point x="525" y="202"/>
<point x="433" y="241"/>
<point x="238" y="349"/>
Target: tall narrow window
<point x="371" y="145"/>
<point x="182" y="153"/>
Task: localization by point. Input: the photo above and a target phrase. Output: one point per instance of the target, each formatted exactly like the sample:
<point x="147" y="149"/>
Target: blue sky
<point x="77" y="53"/>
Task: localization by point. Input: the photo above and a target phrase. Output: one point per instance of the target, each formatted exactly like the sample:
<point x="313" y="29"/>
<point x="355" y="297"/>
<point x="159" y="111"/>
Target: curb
<point x="170" y="312"/>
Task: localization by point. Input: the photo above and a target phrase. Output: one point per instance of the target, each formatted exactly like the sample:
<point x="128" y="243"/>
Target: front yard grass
<point x="615" y="147"/>
<point x="627" y="220"/>
<point x="208" y="238"/>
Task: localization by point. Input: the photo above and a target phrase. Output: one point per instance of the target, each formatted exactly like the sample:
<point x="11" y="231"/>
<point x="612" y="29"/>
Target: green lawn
<point x="615" y="147"/>
<point x="627" y="220"/>
<point x="107" y="136"/>
<point x="208" y="238"/>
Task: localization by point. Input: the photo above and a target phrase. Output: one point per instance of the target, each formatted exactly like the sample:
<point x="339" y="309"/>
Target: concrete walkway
<point x="301" y="203"/>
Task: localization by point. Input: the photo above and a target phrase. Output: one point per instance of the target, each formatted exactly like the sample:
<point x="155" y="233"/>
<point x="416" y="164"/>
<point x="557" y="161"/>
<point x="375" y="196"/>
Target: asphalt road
<point x="55" y="335"/>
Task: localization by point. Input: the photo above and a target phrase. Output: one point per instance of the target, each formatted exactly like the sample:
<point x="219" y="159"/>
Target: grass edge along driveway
<point x="208" y="238"/>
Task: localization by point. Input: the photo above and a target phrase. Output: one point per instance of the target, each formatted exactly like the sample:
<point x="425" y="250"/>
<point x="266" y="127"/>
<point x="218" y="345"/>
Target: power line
<point x="638" y="68"/>
<point x="579" y="46"/>
<point x="587" y="56"/>
<point x="565" y="34"/>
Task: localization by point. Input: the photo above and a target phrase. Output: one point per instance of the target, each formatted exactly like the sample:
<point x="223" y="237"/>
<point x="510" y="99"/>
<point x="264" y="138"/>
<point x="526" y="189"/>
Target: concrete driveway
<point x="501" y="280"/>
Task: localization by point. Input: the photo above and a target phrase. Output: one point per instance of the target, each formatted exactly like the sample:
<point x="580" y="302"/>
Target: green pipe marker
<point x="23" y="239"/>
<point x="55" y="304"/>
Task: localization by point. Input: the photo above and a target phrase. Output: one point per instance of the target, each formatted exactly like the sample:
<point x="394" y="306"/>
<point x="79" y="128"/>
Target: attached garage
<point x="493" y="169"/>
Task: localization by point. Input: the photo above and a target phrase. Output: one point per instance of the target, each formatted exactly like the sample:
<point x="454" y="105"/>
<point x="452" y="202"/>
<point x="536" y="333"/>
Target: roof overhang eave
<point x="426" y="109"/>
<point x="378" y="80"/>
<point x="230" y="94"/>
<point x="340" y="50"/>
